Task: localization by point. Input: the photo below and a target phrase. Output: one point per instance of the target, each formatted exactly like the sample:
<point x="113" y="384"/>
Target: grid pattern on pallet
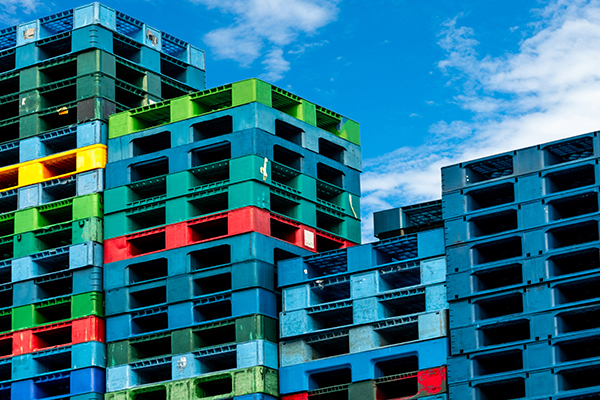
<point x="239" y="93"/>
<point x="522" y="252"/>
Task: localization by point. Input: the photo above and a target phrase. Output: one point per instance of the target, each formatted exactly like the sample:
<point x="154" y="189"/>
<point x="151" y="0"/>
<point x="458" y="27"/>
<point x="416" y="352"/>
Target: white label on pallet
<point x="309" y="239"/>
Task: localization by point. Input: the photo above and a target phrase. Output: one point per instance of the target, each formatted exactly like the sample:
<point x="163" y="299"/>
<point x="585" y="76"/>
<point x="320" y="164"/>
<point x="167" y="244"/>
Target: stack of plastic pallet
<point x="368" y="322"/>
<point x="61" y="76"/>
<point x="523" y="273"/>
<point x="205" y="195"/>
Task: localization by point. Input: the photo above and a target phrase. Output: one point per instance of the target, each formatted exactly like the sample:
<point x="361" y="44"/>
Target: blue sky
<point x="432" y="83"/>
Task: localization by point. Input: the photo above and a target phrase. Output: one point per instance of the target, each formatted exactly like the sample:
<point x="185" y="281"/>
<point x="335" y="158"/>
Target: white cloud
<point x="266" y="23"/>
<point x="10" y="10"/>
<point x="547" y="90"/>
<point x="275" y="64"/>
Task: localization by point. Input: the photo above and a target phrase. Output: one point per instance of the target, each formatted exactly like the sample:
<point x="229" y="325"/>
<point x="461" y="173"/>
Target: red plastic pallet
<point x="217" y="226"/>
<point x="65" y="333"/>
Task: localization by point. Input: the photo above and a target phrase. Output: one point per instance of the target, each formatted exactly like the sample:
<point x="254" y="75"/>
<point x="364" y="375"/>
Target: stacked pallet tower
<point x="60" y="78"/>
<point x="369" y="322"/>
<point x="205" y="195"/>
<point x="523" y="280"/>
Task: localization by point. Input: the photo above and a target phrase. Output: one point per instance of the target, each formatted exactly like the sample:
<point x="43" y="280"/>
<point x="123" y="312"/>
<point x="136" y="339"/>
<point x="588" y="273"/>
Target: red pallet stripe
<point x="216" y="226"/>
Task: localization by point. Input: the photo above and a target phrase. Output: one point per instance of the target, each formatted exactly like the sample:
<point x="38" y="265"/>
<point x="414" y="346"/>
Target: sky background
<point x="432" y="83"/>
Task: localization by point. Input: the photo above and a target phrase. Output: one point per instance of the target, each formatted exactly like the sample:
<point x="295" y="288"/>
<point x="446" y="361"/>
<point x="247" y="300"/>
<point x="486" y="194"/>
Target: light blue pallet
<point x="190" y="365"/>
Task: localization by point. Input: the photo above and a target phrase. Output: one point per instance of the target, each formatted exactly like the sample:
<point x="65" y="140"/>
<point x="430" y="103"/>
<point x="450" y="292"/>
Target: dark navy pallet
<point x="282" y="129"/>
<point x="217" y="254"/>
<point x="189" y="313"/>
<point x="565" y="322"/>
<point x="191" y="365"/>
<point x="398" y="252"/>
<point x="174" y="289"/>
<point x="513" y="303"/>
<point x="519" y="162"/>
<point x="363" y="366"/>
<point x="570" y="382"/>
<point x="356" y="339"/>
<point x="573" y="261"/>
<point x="349" y="312"/>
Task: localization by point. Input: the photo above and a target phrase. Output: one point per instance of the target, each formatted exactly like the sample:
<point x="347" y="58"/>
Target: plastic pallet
<point x="528" y="215"/>
<point x="51" y="311"/>
<point x="209" y="387"/>
<point x="364" y="284"/>
<point x="512" y="304"/>
<point x="52" y="261"/>
<point x="140" y="180"/>
<point x="44" y="216"/>
<point x="66" y="383"/>
<point x="70" y="138"/>
<point x="392" y="331"/>
<point x="211" y="256"/>
<point x="222" y="198"/>
<point x="519" y="162"/>
<point x="558" y="353"/>
<point x="510" y="248"/>
<point x="232" y="331"/>
<point x="235" y="94"/>
<point x="363" y="366"/>
<point x="217" y="226"/>
<point x="173" y="289"/>
<point x="15" y="127"/>
<point x="565" y="322"/>
<point x="409" y="219"/>
<point x="401" y="252"/>
<point x="425" y="385"/>
<point x="272" y="128"/>
<point x="53" y="167"/>
<point x="186" y="65"/>
<point x="190" y="365"/>
<point x="169" y="317"/>
<point x="82" y="355"/>
<point x="572" y="382"/>
<point x="97" y="14"/>
<point x="58" y="189"/>
<point x="349" y="313"/>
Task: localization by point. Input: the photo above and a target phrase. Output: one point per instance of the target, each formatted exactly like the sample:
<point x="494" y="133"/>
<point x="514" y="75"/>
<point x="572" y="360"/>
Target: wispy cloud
<point x="272" y="24"/>
<point x="547" y="90"/>
<point x="11" y="10"/>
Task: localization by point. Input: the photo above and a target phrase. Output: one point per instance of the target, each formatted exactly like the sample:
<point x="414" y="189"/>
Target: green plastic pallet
<point x="222" y="385"/>
<point x="186" y="340"/>
<point x="232" y="95"/>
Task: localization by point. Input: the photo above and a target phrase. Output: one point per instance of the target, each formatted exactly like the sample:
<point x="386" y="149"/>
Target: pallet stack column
<point x="206" y="195"/>
<point x="522" y="249"/>
<point x="61" y="77"/>
<point x="368" y="322"/>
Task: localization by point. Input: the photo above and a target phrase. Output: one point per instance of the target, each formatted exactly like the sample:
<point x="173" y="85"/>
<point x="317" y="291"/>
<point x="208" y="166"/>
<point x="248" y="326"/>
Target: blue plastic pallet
<point x="101" y="15"/>
<point x="519" y="162"/>
<point x="51" y="261"/>
<point x="565" y="322"/>
<point x="234" y="146"/>
<point x="199" y="257"/>
<point x="189" y="313"/>
<point x="364" y="284"/>
<point x="174" y="289"/>
<point x="570" y="382"/>
<point x="78" y="356"/>
<point x="513" y="303"/>
<point x="356" y="339"/>
<point x="364" y="365"/>
<point x="63" y="283"/>
<point x="190" y="365"/>
<point x="347" y="313"/>
<point x="238" y="119"/>
<point x="399" y="251"/>
<point x="59" y="384"/>
<point x="70" y="138"/>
